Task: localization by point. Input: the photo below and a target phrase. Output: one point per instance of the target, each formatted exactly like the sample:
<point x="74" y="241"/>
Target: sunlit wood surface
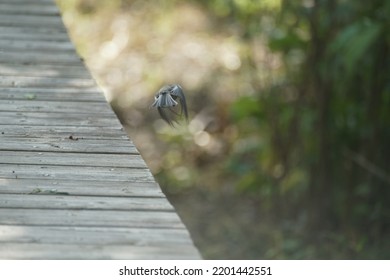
<point x="72" y="185"/>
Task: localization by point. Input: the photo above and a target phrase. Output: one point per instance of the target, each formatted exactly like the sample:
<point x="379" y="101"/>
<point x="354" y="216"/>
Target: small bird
<point x="166" y="99"/>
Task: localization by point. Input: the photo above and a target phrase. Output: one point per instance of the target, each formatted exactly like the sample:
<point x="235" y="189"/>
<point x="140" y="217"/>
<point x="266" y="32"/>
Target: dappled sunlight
<point x="141" y="49"/>
<point x="4" y="182"/>
<point x="202" y="138"/>
<point x="11" y="233"/>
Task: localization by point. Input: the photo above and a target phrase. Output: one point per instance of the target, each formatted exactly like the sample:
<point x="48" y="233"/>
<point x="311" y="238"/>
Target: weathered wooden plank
<point x="36" y="2"/>
<point x="63" y="145"/>
<point x="31" y="82"/>
<point x="76" y="251"/>
<point x="93" y="235"/>
<point x="74" y="173"/>
<point x="71" y="132"/>
<point x="90" y="218"/>
<point x="69" y="107"/>
<point x="35" y="33"/>
<point x="52" y="119"/>
<point x="39" y="46"/>
<point x="28" y="8"/>
<point x="48" y="22"/>
<point x="96" y="188"/>
<point x="40" y="58"/>
<point x="36" y="46"/>
<point x="67" y="94"/>
<point x="22" y="43"/>
<point x="49" y="94"/>
<point x="74" y="71"/>
<point x="51" y="158"/>
<point x="42" y="200"/>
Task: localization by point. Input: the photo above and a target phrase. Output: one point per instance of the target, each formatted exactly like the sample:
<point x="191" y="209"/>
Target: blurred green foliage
<point x="325" y="154"/>
<point x="290" y="132"/>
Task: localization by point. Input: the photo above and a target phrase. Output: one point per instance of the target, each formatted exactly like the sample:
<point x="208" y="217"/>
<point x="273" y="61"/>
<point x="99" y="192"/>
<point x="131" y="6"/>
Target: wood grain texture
<point x="14" y="69"/>
<point x="125" y="251"/>
<point x="90" y="188"/>
<point x="72" y="184"/>
<point x="94" y="235"/>
<point x="55" y="199"/>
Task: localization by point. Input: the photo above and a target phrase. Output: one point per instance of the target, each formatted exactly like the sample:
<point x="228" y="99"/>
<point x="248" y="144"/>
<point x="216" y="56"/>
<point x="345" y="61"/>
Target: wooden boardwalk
<point x="72" y="185"/>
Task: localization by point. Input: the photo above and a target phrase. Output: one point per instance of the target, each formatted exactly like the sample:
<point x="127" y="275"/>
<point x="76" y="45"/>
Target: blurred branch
<point x="367" y="165"/>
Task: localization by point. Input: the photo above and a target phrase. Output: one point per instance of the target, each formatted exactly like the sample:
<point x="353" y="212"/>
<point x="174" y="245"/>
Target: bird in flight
<point x="171" y="103"/>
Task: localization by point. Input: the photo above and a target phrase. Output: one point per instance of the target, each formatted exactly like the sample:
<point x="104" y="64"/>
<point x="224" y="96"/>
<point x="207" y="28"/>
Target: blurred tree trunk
<point x="320" y="93"/>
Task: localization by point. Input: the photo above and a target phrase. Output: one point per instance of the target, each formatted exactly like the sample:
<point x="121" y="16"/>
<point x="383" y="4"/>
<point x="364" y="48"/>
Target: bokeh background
<point x="287" y="151"/>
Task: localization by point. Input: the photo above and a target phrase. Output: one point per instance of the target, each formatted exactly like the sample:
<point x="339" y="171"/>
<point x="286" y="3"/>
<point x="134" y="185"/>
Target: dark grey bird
<point x="167" y="99"/>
